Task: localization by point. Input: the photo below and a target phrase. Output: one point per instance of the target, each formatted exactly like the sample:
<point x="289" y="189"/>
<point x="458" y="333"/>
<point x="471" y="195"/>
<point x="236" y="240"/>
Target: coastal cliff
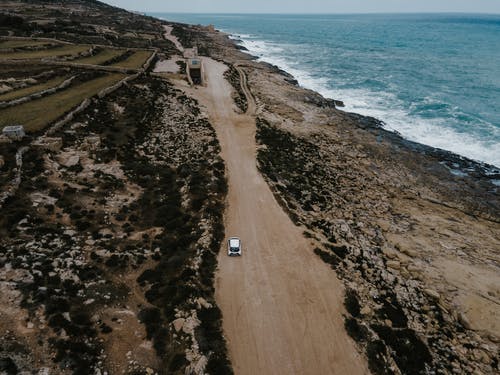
<point x="113" y="232"/>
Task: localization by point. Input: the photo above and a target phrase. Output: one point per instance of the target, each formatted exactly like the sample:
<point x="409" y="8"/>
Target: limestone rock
<point x="201" y="302"/>
<point x="394" y="264"/>
<point x="197" y="367"/>
<point x="48" y="143"/>
<point x="91" y="143"/>
<point x="178" y="324"/>
<point x="432" y="294"/>
<point x="366" y="310"/>
<point x="39" y="198"/>
<point x="389" y="253"/>
<point x="410" y="252"/>
<point x="68" y="160"/>
<point x="190" y="324"/>
<point x="462" y="318"/>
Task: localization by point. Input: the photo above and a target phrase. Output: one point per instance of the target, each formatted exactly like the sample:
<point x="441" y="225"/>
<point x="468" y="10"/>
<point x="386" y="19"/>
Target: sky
<point x="310" y="6"/>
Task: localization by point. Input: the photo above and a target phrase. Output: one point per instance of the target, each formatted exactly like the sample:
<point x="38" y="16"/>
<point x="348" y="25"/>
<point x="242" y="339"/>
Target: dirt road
<point x="168" y="35"/>
<point x="281" y="304"/>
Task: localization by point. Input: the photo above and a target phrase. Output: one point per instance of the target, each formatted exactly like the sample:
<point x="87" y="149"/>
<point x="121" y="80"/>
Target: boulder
<point x="410" y="252"/>
<point x="462" y="318"/>
<point x="39" y="198"/>
<point x="201" y="302"/>
<point x="53" y="144"/>
<point x="366" y="310"/>
<point x="91" y="143"/>
<point x="389" y="253"/>
<point x="178" y="324"/>
<point x="431" y="293"/>
<point x="394" y="264"/>
<point x="190" y="325"/>
<point x="68" y="160"/>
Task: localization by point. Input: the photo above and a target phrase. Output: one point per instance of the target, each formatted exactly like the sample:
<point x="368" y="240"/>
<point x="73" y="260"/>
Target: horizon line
<point x="318" y="14"/>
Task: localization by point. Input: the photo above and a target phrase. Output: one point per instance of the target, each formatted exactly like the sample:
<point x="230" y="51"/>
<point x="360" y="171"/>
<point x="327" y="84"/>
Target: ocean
<point x="434" y="78"/>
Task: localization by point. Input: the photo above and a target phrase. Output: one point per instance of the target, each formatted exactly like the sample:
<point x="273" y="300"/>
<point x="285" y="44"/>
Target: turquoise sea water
<point x="433" y="78"/>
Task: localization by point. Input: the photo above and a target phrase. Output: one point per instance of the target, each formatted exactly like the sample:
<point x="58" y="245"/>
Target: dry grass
<point x="67" y="50"/>
<point x="135" y="61"/>
<point x="37" y="114"/>
<point x="103" y="56"/>
<point x="24" y="43"/>
<point x="16" y="94"/>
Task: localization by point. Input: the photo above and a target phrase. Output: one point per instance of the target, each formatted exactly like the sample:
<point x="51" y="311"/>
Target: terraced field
<point x="101" y="57"/>
<point x="66" y="50"/>
<point x="22" y="43"/>
<point x="135" y="61"/>
<point x="37" y="114"/>
<point x="26" y="91"/>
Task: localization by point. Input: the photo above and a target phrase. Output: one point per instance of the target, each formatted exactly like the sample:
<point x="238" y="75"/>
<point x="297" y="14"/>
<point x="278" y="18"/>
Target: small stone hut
<point x="15" y="132"/>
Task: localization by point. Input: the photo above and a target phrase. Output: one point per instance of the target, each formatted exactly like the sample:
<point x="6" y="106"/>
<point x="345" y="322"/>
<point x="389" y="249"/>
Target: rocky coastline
<point x="109" y="243"/>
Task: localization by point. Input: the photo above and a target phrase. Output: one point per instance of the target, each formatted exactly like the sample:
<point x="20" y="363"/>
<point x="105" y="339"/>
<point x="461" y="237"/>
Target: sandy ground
<point x="168" y="66"/>
<point x="282" y="305"/>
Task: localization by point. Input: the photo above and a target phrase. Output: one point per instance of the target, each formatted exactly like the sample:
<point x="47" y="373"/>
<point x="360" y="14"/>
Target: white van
<point x="234" y="246"/>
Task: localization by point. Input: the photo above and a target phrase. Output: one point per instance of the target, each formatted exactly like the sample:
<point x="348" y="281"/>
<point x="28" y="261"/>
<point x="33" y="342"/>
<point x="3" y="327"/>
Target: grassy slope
<point x="68" y="50"/>
<point x="101" y="57"/>
<point x="16" y="94"/>
<point x="37" y="114"/>
<point x="23" y="43"/>
<point x="135" y="61"/>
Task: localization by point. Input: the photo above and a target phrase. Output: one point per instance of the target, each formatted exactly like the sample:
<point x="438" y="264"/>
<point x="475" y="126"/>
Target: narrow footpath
<point x="282" y="306"/>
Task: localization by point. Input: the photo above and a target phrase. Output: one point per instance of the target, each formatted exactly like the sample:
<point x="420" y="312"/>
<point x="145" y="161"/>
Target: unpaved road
<point x="168" y="35"/>
<point x="281" y="304"/>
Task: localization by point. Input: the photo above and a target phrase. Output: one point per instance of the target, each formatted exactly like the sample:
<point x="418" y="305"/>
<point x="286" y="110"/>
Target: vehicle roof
<point x="234" y="242"/>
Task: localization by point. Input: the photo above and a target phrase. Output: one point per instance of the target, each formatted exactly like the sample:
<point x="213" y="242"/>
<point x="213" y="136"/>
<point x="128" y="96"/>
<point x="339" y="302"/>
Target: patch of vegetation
<point x="286" y="159"/>
<point x="233" y="76"/>
<point x="172" y="282"/>
<point x="189" y="37"/>
<point x="357" y="331"/>
<point x="23" y="44"/>
<point x="135" y="61"/>
<point x="37" y="114"/>
<point x="351" y="302"/>
<point x="410" y="353"/>
<point x="65" y="50"/>
<point x="16" y="94"/>
<point x="182" y="66"/>
<point x="102" y="56"/>
<point x="210" y="339"/>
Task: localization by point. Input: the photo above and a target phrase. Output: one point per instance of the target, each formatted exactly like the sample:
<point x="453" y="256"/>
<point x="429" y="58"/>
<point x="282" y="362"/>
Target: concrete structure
<point x="195" y="69"/>
<point x="16" y="132"/>
<point x="194" y="66"/>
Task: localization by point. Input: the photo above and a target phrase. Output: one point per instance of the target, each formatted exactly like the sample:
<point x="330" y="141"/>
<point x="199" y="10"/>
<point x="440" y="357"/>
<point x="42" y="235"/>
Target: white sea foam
<point x="382" y="105"/>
